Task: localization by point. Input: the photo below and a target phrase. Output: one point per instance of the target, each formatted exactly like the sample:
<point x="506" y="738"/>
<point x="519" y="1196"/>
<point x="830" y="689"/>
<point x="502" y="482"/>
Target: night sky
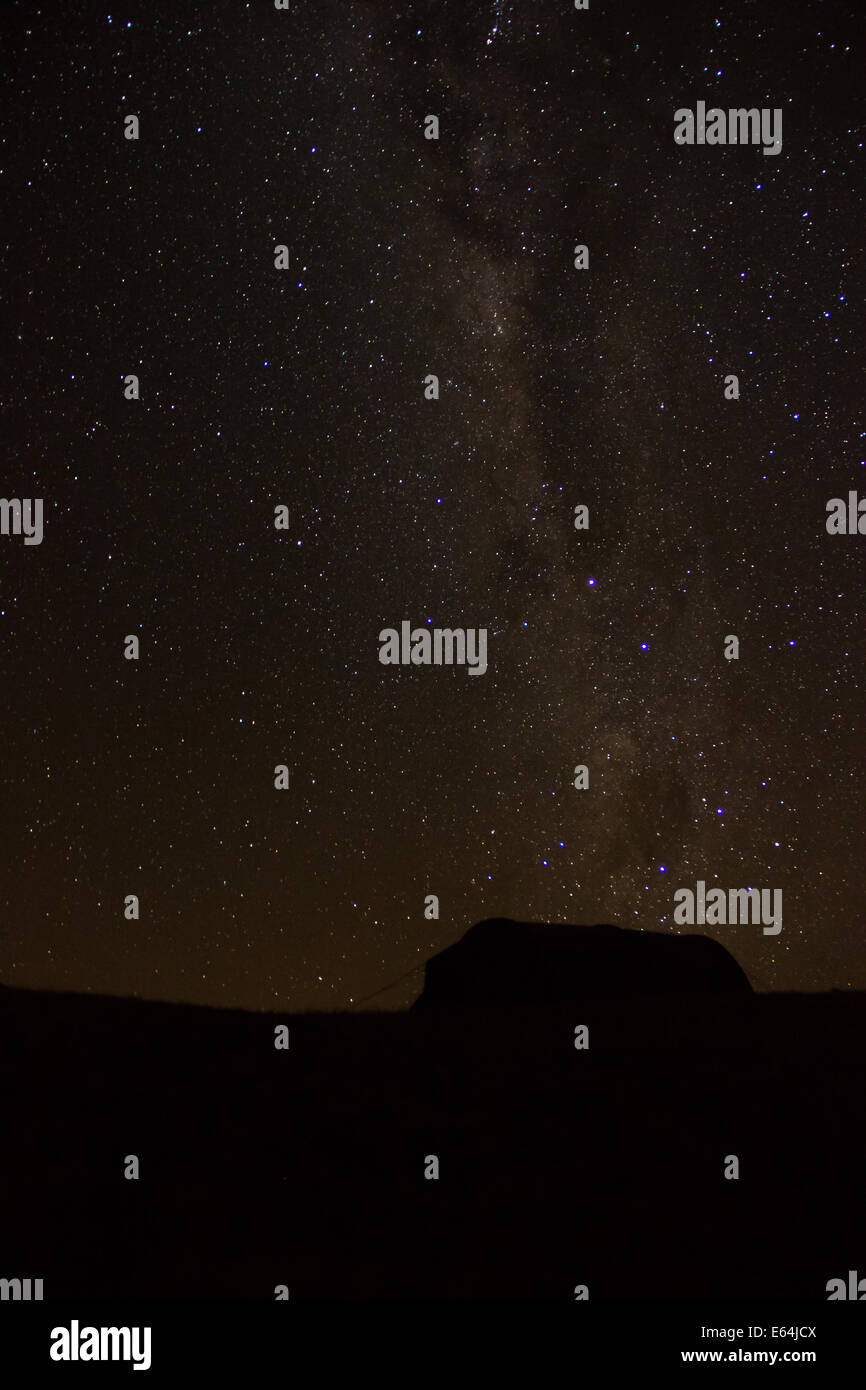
<point x="558" y="387"/>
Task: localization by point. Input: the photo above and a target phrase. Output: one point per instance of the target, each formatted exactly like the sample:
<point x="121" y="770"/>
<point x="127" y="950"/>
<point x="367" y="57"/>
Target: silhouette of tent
<point x="504" y="962"/>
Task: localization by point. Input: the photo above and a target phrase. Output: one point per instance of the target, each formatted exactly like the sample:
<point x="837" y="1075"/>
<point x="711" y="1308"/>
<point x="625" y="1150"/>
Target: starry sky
<point x="305" y="387"/>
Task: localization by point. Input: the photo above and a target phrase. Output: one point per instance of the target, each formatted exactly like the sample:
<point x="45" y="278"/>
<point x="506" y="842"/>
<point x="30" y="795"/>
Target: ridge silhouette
<point x="504" y="962"/>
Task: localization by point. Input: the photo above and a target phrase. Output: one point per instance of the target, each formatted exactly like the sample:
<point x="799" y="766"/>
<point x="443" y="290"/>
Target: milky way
<point x="557" y="388"/>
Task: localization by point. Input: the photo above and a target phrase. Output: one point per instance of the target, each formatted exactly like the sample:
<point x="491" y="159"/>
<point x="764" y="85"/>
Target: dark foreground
<point x="558" y="1167"/>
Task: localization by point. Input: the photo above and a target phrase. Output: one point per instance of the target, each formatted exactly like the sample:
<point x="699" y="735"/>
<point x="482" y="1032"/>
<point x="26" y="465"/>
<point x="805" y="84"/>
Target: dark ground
<point x="558" y="1167"/>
